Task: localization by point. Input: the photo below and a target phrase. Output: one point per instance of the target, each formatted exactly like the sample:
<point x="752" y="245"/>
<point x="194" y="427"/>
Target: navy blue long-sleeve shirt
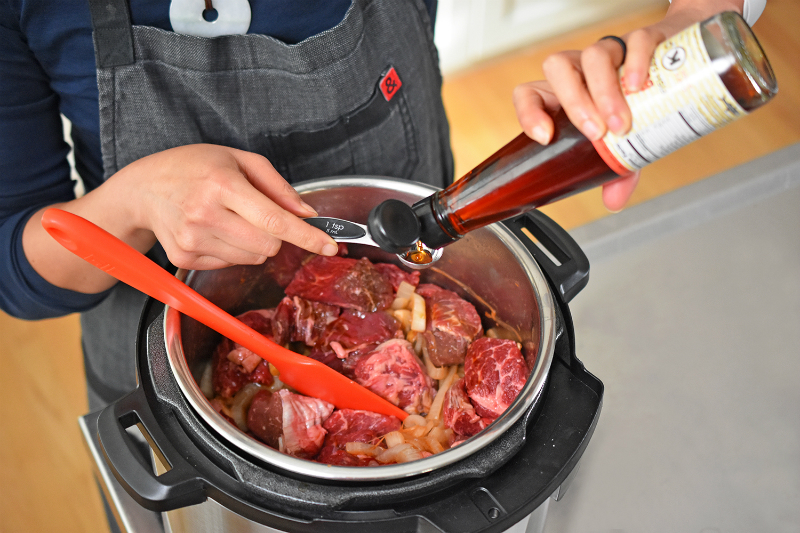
<point x="47" y="68"/>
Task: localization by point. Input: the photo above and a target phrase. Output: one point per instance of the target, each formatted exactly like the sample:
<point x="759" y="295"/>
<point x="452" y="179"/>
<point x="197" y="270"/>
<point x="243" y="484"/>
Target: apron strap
<point x="111" y="32"/>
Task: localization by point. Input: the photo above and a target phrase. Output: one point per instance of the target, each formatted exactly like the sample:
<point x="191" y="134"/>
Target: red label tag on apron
<point x="390" y="84"/>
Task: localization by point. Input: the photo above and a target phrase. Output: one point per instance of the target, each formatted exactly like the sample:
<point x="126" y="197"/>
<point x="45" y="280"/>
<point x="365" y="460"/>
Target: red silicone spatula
<point x="118" y="259"/>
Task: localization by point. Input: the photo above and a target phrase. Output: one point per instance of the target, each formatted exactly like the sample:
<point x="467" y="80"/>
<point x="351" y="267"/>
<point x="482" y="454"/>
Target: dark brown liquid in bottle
<point x="521" y="176"/>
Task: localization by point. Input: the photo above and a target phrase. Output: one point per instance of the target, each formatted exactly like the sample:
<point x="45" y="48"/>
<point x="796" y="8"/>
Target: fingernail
<point x="631" y="82"/>
<point x="591" y="130"/>
<point x="308" y="208"/>
<point x="330" y="249"/>
<point x="539" y="135"/>
<point x="615" y="124"/>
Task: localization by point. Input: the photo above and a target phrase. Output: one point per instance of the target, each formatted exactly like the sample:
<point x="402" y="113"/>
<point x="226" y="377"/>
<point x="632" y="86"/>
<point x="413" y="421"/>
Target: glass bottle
<point x="699" y="80"/>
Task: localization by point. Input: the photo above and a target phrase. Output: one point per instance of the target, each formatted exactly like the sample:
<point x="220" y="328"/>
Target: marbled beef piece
<point x="396" y="275"/>
<point x="393" y="372"/>
<point x="289" y="422"/>
<point x="452" y="323"/>
<point x="494" y="373"/>
<point x="299" y="320"/>
<point x="350" y="425"/>
<point x="350" y="283"/>
<point x="233" y="365"/>
<point x="352" y="336"/>
<point x="459" y="414"/>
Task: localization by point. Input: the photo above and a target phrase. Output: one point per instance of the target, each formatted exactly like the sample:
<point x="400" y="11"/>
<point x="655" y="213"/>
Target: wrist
<point x="749" y="9"/>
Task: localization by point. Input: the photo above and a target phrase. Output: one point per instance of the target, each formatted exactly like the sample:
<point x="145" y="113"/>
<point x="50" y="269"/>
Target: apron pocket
<point x="376" y="139"/>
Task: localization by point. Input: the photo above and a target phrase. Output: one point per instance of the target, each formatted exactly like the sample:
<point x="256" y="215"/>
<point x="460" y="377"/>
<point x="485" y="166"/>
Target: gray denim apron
<point x="314" y="109"/>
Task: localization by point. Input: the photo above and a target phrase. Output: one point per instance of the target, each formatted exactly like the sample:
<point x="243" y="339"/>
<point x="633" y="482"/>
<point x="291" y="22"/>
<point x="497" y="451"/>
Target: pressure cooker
<point x="209" y="476"/>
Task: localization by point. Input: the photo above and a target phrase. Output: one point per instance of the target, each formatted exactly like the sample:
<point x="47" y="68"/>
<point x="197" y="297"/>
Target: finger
<point x="600" y="63"/>
<point x="535" y="103"/>
<point x="641" y="46"/>
<point x="205" y="262"/>
<point x="563" y="71"/>
<point x="617" y="193"/>
<point x="197" y="248"/>
<point x="263" y="176"/>
<point x="267" y="216"/>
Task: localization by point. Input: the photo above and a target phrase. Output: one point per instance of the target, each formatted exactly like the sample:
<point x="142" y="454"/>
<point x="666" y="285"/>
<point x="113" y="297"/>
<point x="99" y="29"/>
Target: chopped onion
<point x="436" y="407"/>
<point x="435" y="372"/>
<point x="393" y="438"/>
<point x="402" y="453"/>
<point x="241" y="403"/>
<point x="399" y="303"/>
<point x="408" y="455"/>
<point x="404" y="290"/>
<point x="221" y="406"/>
<point x="440" y="434"/>
<point x="414" y="420"/>
<point x="338" y="349"/>
<point x="272" y="370"/>
<point x="501" y="333"/>
<point x="418" y="341"/>
<point x="417" y="313"/>
<point x="404" y="316"/>
<point x="277" y="385"/>
<point x="418" y="431"/>
<point x="207" y="382"/>
<point x="433" y="444"/>
<point x="417" y="443"/>
<point x="363" y="448"/>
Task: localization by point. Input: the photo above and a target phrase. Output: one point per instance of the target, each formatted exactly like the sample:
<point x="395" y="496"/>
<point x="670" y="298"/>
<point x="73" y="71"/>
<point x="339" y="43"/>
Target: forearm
<point x="61" y="267"/>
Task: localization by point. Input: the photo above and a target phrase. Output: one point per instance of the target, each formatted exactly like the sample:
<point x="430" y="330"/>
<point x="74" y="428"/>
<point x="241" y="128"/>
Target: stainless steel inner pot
<point x="489" y="267"/>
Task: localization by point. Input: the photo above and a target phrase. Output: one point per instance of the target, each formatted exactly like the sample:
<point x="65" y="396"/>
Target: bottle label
<point x="682" y="100"/>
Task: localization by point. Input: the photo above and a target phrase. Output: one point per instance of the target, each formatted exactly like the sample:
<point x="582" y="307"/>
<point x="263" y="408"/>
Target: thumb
<point x="617" y="193"/>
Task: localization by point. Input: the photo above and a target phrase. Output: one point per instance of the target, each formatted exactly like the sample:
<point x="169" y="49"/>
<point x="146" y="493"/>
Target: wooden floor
<point x="45" y="473"/>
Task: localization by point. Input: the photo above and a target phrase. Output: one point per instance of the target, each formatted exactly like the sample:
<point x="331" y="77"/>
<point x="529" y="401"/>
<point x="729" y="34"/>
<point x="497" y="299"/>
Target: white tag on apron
<point x="228" y="17"/>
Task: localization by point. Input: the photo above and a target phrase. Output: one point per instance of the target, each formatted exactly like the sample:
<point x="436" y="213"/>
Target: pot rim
<point x="526" y="399"/>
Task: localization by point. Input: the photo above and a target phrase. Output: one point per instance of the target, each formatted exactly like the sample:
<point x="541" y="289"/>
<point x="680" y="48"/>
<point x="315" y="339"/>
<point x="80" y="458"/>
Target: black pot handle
<point x="569" y="273"/>
<point x="179" y="487"/>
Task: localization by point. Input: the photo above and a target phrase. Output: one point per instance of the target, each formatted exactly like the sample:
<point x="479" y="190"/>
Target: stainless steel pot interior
<point x="489" y="267"/>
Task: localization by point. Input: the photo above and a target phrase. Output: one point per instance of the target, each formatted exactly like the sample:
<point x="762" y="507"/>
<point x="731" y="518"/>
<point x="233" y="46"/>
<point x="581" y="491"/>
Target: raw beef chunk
<point x="300" y="320"/>
<point x="289" y="422"/>
<point x="494" y="373"/>
<point x="352" y="336"/>
<point x="234" y="365"/>
<point x="396" y="275"/>
<point x="350" y="425"/>
<point x="452" y="324"/>
<point x="393" y="372"/>
<point x="459" y="414"/>
<point x="354" y="284"/>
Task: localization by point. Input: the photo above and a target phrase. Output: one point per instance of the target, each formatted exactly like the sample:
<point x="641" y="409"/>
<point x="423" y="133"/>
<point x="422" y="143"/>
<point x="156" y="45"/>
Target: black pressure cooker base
<point x="489" y="491"/>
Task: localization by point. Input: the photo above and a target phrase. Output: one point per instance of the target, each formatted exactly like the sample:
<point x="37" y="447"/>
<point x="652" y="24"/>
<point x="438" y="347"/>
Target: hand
<point x="535" y="103"/>
<point x="586" y="84"/>
<point x="209" y="206"/>
<point x="212" y="206"/>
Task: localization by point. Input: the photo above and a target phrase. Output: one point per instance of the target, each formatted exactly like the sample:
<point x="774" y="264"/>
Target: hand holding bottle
<point x="586" y="84"/>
